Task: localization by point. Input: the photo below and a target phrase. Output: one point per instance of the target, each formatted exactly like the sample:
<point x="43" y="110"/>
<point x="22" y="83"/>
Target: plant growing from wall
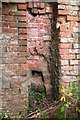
<point x="70" y="99"/>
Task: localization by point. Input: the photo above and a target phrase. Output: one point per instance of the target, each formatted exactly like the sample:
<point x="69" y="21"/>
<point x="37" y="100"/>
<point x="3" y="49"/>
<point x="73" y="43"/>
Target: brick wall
<point x="42" y="39"/>
<point x="69" y="20"/>
<point x="38" y="41"/>
<point x="14" y="61"/>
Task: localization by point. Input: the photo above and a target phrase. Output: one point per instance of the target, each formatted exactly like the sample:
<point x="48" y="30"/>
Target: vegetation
<point x="69" y="99"/>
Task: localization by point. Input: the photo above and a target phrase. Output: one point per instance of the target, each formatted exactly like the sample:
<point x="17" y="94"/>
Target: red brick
<point x="72" y="18"/>
<point x="20" y="13"/>
<point x="72" y="23"/>
<point x="23" y="66"/>
<point x="13" y="24"/>
<point x="40" y="26"/>
<point x="70" y="56"/>
<point x="42" y="11"/>
<point x="70" y="29"/>
<point x="45" y="21"/>
<point x="63" y="28"/>
<point x="36" y="4"/>
<point x="22" y="54"/>
<point x="22" y="36"/>
<point x="22" y="30"/>
<point x="9" y="18"/>
<point x="42" y="5"/>
<point x="5" y="24"/>
<point x="63" y="12"/>
<point x="63" y="51"/>
<point x="14" y="48"/>
<point x="66" y="67"/>
<point x="21" y="25"/>
<point x="66" y="45"/>
<point x="63" y="2"/>
<point x="22" y="6"/>
<point x="19" y="60"/>
<point x="31" y="64"/>
<point x="22" y="49"/>
<point x="38" y="20"/>
<point x="23" y="19"/>
<point x="10" y="30"/>
<point x="5" y="12"/>
<point x="15" y="66"/>
<point x="65" y="34"/>
<point x="30" y="5"/>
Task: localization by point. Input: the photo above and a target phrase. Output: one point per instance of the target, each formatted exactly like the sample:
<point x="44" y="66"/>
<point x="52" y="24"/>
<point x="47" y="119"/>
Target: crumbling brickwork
<point x="69" y="20"/>
<point x="14" y="61"/>
<point x="40" y="38"/>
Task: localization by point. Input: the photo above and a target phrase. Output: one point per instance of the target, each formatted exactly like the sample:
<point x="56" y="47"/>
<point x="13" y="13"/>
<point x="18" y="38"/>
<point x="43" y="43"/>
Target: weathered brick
<point x="36" y="4"/>
<point x="63" y="51"/>
<point x="63" y="2"/>
<point x="22" y="30"/>
<point x="64" y="62"/>
<point x="42" y="5"/>
<point x="9" y="18"/>
<point x="63" y="28"/>
<point x="22" y="36"/>
<point x="22" y="19"/>
<point x="22" y="6"/>
<point x="65" y="34"/>
<point x="5" y="24"/>
<point x="42" y="11"/>
<point x="13" y="24"/>
<point x="63" y="12"/>
<point x="70" y="56"/>
<point x="70" y="29"/>
<point x="73" y="62"/>
<point x="21" y="25"/>
<point x="65" y="45"/>
<point x="66" y="67"/>
<point x="20" y="13"/>
<point x="22" y="54"/>
<point x="73" y="51"/>
<point x="22" y="42"/>
<point x="9" y="30"/>
<point x="12" y="8"/>
<point x="5" y="11"/>
<point x="61" y="7"/>
<point x="22" y="49"/>
<point x="30" y="5"/>
<point x="72" y="18"/>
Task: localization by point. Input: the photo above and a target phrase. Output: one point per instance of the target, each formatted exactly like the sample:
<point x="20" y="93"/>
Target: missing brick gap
<point x="37" y="73"/>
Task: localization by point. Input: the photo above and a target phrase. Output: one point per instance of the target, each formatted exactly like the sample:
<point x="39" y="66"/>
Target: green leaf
<point x="66" y="105"/>
<point x="73" y="84"/>
<point x="62" y="108"/>
<point x="77" y="89"/>
<point x="77" y="97"/>
<point x="77" y="78"/>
